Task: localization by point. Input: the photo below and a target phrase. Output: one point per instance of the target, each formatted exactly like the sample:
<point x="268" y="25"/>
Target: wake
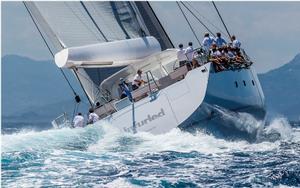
<point x="104" y="138"/>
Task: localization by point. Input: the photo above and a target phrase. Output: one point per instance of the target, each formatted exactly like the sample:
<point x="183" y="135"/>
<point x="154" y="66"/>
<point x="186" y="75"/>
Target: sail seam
<point x="92" y="32"/>
<point x="87" y="11"/>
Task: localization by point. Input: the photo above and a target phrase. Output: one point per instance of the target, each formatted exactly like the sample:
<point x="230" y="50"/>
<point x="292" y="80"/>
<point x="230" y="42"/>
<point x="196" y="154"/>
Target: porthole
<point x="253" y="83"/>
<point x="244" y="82"/>
<point x="236" y="84"/>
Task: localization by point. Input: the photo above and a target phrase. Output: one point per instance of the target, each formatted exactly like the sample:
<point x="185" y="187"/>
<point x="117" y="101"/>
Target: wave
<point x="65" y="138"/>
<point x="103" y="137"/>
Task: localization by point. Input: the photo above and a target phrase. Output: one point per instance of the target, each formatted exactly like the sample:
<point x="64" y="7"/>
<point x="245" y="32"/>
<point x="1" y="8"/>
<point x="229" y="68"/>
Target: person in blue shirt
<point x="124" y="87"/>
<point x="207" y="42"/>
<point x="220" y="42"/>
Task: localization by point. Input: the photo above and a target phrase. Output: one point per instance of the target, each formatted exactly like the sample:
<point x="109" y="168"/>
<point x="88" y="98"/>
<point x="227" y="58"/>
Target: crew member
<point x="78" y="120"/>
<point x="123" y="86"/>
<point x="236" y="44"/>
<point x="93" y="117"/>
<point x="189" y="52"/>
<point x="220" y="42"/>
<point x="216" y="58"/>
<point x="181" y="55"/>
<point x="137" y="80"/>
<point x="207" y="42"/>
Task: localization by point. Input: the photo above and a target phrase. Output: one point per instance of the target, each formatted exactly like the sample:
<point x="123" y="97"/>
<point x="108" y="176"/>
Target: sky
<point x="268" y="30"/>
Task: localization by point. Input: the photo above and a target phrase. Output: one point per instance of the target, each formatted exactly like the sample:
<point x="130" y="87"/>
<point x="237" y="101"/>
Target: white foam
<point x="242" y="121"/>
<point x="112" y="139"/>
<point x="281" y="126"/>
<point x="53" y="138"/>
<point x="119" y="182"/>
<point x="176" y="140"/>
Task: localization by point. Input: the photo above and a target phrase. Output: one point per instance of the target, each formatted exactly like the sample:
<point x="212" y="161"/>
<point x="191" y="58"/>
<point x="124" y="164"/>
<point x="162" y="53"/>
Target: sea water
<point x="102" y="156"/>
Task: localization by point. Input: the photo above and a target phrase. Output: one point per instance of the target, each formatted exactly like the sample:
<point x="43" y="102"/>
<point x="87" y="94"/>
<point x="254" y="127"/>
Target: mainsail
<point x="70" y="24"/>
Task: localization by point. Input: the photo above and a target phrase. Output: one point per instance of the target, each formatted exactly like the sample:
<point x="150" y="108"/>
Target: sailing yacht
<point x="105" y="42"/>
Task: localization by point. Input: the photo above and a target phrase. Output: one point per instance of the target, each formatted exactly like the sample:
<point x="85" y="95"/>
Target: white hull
<point x="171" y="107"/>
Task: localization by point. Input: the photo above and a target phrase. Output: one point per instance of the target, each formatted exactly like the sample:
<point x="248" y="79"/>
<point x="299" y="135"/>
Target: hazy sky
<point x="268" y="30"/>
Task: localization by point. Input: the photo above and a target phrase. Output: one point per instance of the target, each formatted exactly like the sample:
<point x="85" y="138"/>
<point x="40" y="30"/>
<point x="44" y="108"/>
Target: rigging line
<point x="96" y="25"/>
<point x="221" y="19"/>
<point x="87" y="11"/>
<point x="83" y="23"/>
<point x="161" y="26"/>
<point x="111" y="29"/>
<point x="188" y="23"/>
<point x="38" y="29"/>
<point x="198" y="20"/>
<point x="89" y="80"/>
<point x="94" y="85"/>
<point x="76" y="72"/>
<point x="40" y="32"/>
<point x="210" y="22"/>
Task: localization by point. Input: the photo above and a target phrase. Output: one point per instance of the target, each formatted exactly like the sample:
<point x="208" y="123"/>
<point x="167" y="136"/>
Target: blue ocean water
<point x="102" y="156"/>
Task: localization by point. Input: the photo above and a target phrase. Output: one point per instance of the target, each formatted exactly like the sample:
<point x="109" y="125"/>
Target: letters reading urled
<point x="149" y="118"/>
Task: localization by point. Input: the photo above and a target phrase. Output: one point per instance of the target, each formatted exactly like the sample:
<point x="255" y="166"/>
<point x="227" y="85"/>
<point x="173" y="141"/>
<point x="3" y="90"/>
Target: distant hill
<point x="282" y="89"/>
<point x="34" y="90"/>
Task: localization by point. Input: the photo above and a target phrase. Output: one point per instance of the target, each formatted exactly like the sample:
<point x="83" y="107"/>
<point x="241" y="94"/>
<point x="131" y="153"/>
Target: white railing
<point x="61" y="121"/>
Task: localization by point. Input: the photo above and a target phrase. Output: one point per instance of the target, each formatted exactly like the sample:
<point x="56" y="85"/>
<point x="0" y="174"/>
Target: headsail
<point x="71" y="24"/>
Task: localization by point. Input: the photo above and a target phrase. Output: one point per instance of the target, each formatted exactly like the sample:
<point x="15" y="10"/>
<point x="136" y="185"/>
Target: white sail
<point x="71" y="24"/>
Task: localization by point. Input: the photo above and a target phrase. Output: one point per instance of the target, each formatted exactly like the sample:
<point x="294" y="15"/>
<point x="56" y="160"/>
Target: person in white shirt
<point x="235" y="42"/>
<point x="93" y="117"/>
<point x="78" y="120"/>
<point x="189" y="52"/>
<point x="207" y="42"/>
<point x="137" y="80"/>
<point x="220" y="42"/>
<point x="181" y="55"/>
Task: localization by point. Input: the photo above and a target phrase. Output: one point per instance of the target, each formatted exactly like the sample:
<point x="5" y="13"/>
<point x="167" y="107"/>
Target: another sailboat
<point x="103" y="42"/>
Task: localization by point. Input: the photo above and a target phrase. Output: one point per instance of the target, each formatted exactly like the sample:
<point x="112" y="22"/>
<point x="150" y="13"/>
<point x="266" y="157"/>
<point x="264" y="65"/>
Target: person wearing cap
<point x="137" y="80"/>
<point x="207" y="42"/>
<point x="78" y="120"/>
<point x="181" y="55"/>
<point x="220" y="42"/>
<point x="123" y="86"/>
